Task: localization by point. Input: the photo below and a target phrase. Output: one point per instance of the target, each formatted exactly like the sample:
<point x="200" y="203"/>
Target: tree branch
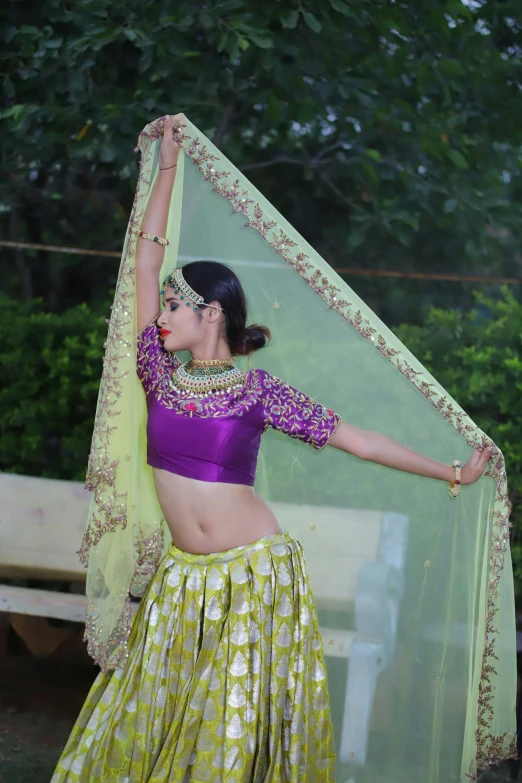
<point x="337" y="190"/>
<point x="264" y="163"/>
<point x="326" y="150"/>
<point x="226" y="119"/>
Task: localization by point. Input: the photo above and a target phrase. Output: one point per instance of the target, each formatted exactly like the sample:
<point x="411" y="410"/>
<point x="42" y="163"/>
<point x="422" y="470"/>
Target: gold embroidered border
<point x="489" y="747"/>
<point x="101" y="470"/>
<point x="108" y="510"/>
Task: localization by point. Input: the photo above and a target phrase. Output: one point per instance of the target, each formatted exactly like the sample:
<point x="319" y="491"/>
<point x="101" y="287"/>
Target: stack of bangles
<point x="151" y="238"/>
<point x="454" y="487"/>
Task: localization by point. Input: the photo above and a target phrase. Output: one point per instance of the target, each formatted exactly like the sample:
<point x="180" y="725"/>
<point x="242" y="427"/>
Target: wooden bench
<point x="365" y="552"/>
<point x="41" y="526"/>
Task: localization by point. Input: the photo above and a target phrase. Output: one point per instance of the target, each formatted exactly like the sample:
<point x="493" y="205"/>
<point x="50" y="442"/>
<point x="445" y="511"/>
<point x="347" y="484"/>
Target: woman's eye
<point x="173" y="307"/>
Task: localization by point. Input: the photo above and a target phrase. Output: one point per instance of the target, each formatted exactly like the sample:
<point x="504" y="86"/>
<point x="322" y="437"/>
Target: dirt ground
<point x="39" y="702"/>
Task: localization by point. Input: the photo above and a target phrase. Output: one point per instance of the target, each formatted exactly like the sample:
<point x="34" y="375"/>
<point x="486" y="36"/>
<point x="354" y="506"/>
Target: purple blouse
<point x="218" y="439"/>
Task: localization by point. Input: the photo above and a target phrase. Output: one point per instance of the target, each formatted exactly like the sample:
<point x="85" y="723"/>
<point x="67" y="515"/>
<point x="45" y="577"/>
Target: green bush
<point x="50" y="367"/>
<point x="477" y="357"/>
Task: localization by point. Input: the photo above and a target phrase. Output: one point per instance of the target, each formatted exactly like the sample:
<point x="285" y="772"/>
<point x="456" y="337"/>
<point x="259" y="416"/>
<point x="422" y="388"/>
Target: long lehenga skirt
<point x="225" y="679"/>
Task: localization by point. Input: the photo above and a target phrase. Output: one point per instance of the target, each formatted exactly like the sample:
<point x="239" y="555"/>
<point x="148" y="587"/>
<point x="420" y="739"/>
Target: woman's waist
<point x="205" y="517"/>
<point x="203" y="496"/>
<point x="280" y="543"/>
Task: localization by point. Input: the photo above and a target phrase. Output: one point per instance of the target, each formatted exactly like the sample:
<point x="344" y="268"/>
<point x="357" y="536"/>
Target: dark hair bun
<point x="216" y="282"/>
<point x="250" y="339"/>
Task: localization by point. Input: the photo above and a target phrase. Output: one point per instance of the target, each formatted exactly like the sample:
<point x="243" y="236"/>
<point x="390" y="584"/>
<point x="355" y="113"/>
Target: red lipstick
<point x="164" y="333"/>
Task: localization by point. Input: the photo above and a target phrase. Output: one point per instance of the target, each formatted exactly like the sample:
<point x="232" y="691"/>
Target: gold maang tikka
<point x="184" y="291"/>
<point x="199" y="378"/>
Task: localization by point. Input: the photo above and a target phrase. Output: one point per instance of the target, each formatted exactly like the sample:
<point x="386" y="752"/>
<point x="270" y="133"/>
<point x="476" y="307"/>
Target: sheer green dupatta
<point x="126" y="534"/>
<point x="414" y="589"/>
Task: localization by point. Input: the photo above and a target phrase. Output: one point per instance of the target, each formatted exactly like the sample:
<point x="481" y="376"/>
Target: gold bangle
<point x="160" y="240"/>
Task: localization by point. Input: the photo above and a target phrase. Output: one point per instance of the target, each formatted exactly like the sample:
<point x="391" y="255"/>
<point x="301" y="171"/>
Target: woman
<point x="225" y="677"/>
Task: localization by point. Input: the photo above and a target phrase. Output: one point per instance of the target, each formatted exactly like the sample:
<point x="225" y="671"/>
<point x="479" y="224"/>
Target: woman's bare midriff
<point x="206" y="516"/>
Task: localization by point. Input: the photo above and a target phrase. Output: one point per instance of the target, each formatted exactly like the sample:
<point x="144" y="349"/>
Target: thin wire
<point x="427" y="275"/>
<point x="58" y="249"/>
<point x="340" y="270"/>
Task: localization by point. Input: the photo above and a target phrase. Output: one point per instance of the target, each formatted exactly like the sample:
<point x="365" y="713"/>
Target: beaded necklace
<point x="200" y="378"/>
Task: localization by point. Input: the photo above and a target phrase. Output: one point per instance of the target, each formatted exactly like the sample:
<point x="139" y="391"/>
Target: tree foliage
<point x="387" y="132"/>
<point x="50" y="368"/>
<point x="477" y="357"/>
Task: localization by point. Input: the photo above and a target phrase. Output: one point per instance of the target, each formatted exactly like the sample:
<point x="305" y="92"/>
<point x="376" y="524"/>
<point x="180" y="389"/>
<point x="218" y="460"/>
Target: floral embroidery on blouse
<point x="289" y="410"/>
<point x="154" y="367"/>
<point x="281" y="406"/>
<point x="154" y="364"/>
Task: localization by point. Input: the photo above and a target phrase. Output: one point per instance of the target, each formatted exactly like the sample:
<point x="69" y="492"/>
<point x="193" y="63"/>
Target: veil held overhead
<point x="413" y="588"/>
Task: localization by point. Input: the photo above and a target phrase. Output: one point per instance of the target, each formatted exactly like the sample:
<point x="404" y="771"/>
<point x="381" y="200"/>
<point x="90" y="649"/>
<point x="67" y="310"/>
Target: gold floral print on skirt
<point x="225" y="679"/>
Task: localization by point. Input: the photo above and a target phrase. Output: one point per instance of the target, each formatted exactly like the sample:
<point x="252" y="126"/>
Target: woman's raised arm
<point x="374" y="447"/>
<point x="149" y="254"/>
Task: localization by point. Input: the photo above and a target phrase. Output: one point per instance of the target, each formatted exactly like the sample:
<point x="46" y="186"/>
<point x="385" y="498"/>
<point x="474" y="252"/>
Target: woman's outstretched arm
<point x="374" y="447"/>
<point x="149" y="255"/>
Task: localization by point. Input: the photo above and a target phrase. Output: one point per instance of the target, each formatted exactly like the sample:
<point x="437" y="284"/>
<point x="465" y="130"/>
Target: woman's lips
<point x="164" y="333"/>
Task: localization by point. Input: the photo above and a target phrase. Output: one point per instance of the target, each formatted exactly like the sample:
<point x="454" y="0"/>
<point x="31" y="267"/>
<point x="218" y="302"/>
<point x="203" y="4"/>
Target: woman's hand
<point x="169" y="150"/>
<point x="476" y="464"/>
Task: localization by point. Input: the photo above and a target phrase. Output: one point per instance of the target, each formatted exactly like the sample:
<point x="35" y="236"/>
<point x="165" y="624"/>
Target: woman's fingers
<point x="173" y="120"/>
<point x="481" y="456"/>
<point x="476" y="464"/>
<point x="169" y="149"/>
<point x="168" y="125"/>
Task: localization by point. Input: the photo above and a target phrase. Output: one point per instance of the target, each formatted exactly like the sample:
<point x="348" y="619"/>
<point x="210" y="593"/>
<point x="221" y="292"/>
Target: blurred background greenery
<point x="388" y="133"/>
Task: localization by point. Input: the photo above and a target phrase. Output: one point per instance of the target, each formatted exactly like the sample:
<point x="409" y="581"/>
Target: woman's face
<point x="180" y="326"/>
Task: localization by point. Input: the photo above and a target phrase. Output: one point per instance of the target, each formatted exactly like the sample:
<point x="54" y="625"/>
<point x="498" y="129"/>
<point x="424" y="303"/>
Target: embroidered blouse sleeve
<point x="291" y="411"/>
<point x="153" y="362"/>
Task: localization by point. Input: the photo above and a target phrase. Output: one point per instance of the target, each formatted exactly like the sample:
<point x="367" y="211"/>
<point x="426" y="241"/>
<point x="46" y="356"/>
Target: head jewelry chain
<point x="184" y="291"/>
<point x="200" y="378"/>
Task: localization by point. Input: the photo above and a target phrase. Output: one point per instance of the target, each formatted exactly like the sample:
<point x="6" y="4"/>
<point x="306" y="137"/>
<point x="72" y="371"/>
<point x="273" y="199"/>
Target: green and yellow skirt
<point x="225" y="679"/>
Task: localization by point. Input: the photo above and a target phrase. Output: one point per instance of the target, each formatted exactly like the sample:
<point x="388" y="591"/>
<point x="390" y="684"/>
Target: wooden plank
<point x="46" y="603"/>
<point x="42" y="603"/>
<point x="336" y="643"/>
<point x="42" y="522"/>
<point x="336" y="542"/>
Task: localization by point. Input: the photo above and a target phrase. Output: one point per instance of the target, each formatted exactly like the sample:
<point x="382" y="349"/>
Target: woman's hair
<point x="216" y="282"/>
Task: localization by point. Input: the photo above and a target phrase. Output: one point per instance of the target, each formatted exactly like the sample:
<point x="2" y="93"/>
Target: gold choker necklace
<point x="199" y="378"/>
<point x="192" y="364"/>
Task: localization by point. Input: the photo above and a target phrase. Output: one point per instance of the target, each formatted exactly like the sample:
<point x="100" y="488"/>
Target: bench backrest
<point x="336" y="543"/>
<point x="42" y="522"/>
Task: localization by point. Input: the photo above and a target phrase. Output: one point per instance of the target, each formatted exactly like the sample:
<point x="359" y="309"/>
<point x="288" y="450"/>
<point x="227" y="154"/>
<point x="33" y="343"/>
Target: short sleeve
<point x="153" y="362"/>
<point x="291" y="411"/>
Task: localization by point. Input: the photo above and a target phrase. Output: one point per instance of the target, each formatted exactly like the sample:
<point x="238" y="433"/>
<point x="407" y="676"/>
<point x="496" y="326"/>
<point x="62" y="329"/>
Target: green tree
<point x="477" y="357"/>
<point x="50" y="368"/>
<point x="388" y="133"/>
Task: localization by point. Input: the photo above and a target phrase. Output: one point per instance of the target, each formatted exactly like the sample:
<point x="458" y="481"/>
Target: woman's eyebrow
<point x="170" y="299"/>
